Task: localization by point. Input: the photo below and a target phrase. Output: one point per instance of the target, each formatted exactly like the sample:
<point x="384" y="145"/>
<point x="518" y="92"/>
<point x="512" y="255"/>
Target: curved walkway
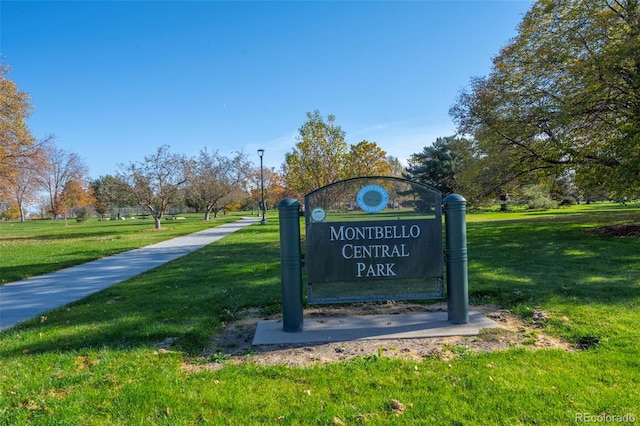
<point x="22" y="300"/>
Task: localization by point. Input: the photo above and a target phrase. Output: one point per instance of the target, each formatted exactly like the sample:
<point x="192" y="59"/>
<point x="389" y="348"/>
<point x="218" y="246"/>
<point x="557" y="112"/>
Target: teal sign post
<point x="456" y="257"/>
<point x="290" y="265"/>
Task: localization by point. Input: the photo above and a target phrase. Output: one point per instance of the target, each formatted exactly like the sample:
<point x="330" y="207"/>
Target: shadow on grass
<point x="178" y="305"/>
<point x="532" y="261"/>
<point x="181" y="304"/>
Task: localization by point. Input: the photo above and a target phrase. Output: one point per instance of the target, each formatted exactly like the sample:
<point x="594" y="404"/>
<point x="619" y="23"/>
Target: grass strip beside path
<point x="38" y="247"/>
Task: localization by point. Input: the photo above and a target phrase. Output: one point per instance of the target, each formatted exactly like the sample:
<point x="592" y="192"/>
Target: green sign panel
<point x="376" y="238"/>
<point x="346" y="251"/>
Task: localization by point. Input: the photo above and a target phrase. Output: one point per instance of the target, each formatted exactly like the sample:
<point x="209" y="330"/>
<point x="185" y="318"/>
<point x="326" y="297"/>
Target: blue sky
<point x="114" y="80"/>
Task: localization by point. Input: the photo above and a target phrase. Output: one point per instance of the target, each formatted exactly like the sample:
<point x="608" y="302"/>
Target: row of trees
<point x="29" y="167"/>
<point x="208" y="183"/>
<point x="42" y="168"/>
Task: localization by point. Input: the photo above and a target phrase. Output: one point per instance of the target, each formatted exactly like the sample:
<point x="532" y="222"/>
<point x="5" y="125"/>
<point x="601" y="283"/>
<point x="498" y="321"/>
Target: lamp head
<point x="261" y="152"/>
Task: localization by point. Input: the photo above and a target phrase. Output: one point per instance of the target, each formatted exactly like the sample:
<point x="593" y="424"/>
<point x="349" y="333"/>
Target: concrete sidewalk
<point x="22" y="300"/>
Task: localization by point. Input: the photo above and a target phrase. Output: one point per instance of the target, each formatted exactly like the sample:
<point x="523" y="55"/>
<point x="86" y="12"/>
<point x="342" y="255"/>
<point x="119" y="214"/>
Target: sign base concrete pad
<point x="371" y="327"/>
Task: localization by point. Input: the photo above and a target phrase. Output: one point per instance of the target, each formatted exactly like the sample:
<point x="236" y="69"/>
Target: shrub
<point x="82" y="214"/>
<point x="536" y="197"/>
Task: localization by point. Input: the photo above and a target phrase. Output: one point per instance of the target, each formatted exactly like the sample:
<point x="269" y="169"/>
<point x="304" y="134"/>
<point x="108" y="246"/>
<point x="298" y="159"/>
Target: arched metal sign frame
<point x="373" y="238"/>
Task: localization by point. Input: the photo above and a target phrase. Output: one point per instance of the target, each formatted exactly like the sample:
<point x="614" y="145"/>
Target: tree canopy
<point x="15" y="136"/>
<point x="365" y="159"/>
<point x="564" y="94"/>
<point x="317" y="159"/>
<point x="441" y="165"/>
<point x="18" y="158"/>
<point x="156" y="182"/>
<point x="217" y="181"/>
<point x="59" y="168"/>
<point x="322" y="156"/>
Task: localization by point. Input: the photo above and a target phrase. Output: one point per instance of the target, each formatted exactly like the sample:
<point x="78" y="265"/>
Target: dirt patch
<point x="233" y="344"/>
<point x="621" y="230"/>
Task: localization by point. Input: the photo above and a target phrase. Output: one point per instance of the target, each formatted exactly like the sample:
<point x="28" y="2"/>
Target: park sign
<point x="373" y="238"/>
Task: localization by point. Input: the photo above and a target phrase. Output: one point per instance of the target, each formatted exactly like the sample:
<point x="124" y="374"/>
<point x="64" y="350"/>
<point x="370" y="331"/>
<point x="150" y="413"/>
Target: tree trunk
<point x="157" y="219"/>
<point x="503" y="202"/>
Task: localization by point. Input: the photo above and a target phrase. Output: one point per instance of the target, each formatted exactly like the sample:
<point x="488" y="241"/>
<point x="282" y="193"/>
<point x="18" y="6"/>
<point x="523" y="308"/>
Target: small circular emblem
<point x="372" y="198"/>
<point x="318" y="214"/>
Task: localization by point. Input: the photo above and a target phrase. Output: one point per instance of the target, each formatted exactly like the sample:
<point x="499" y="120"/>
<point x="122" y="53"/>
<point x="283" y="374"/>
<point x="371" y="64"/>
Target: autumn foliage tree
<point x="58" y="170"/>
<point x="76" y="196"/>
<point x="21" y="184"/>
<point x="365" y="159"/>
<point x="19" y="154"/>
<point x="15" y="137"/>
<point x="322" y="156"/>
<point x="317" y="158"/>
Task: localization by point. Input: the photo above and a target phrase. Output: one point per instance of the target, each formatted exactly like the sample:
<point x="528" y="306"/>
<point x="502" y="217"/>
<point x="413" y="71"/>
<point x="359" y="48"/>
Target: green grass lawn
<point x="93" y="362"/>
<point x="37" y="247"/>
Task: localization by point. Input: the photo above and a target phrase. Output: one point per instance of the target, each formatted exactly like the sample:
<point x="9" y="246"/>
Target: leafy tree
<point x="110" y="192"/>
<point x="318" y="158"/>
<point x="275" y="189"/>
<point x="217" y="181"/>
<point x="100" y="193"/>
<point x="157" y="182"/>
<point x="19" y="151"/>
<point x="322" y="156"/>
<point x="536" y="197"/>
<point x="440" y="165"/>
<point x="10" y="211"/>
<point x="486" y="177"/>
<point x="76" y="196"/>
<point x="563" y="95"/>
<point x="396" y="167"/>
<point x="365" y="159"/>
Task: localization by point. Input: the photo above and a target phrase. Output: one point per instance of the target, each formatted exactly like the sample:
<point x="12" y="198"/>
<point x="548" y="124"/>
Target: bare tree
<point x="58" y="168"/>
<point x="157" y="182"/>
<point x="20" y="183"/>
<point x="217" y="181"/>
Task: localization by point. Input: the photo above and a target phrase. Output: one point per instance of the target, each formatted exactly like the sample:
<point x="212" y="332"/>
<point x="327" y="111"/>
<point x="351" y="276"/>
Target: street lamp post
<point x="263" y="206"/>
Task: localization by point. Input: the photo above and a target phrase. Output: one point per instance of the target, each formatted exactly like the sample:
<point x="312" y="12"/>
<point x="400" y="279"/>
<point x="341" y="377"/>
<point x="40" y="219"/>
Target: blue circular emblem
<point x="372" y="198"/>
<point x="318" y="214"/>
